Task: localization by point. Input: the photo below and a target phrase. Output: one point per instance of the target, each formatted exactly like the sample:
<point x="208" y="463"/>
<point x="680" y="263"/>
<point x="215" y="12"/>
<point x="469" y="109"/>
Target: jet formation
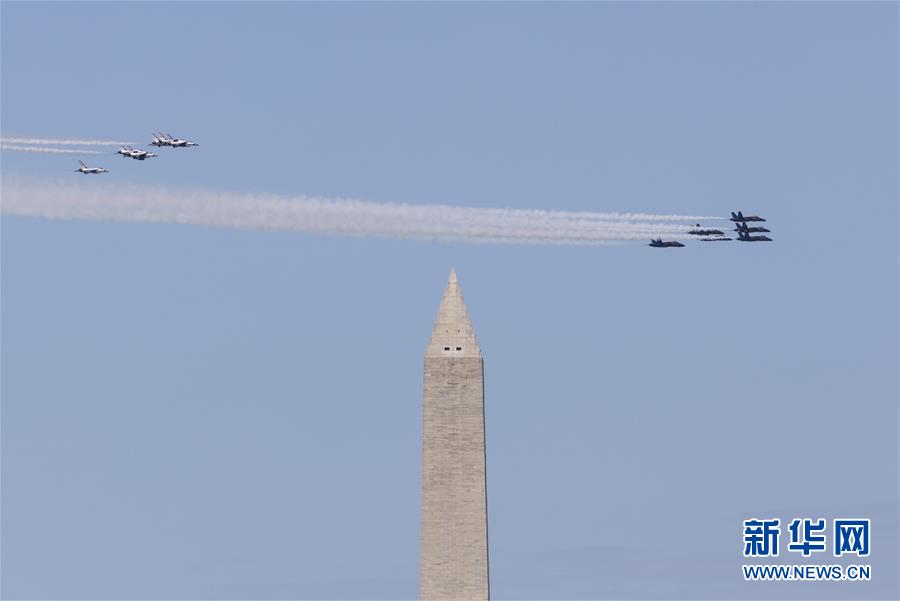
<point x="704" y="234"/>
<point x="158" y="140"/>
<point x="743" y="230"/>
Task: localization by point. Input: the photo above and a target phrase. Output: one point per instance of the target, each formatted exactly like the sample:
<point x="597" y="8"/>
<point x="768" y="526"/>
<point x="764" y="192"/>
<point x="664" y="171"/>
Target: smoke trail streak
<point x="104" y="201"/>
<point x="592" y="216"/>
<point x="18" y="148"/>
<point x="61" y="142"/>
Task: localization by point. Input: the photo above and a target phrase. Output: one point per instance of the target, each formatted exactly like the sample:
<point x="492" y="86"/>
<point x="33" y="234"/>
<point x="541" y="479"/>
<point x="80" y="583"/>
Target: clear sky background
<point x="192" y="413"/>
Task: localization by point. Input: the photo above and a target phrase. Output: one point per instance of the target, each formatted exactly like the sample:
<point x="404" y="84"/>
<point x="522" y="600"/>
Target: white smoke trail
<point x="18" y="148"/>
<point x="589" y="215"/>
<point x="104" y="201"/>
<point x="61" y="142"/>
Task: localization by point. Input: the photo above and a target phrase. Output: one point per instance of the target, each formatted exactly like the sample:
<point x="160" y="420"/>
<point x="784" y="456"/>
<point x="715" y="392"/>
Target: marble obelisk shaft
<point x="454" y="553"/>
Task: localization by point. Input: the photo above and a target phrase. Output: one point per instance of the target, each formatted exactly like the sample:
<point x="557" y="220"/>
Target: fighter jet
<point x="140" y="155"/>
<point x="740" y="217"/>
<point x="160" y="140"/>
<point x="179" y="143"/>
<point x="85" y="169"/>
<point x="719" y="239"/>
<point x="169" y="140"/>
<point x="706" y="233"/>
<point x="743" y="227"/>
<point x="658" y="243"/>
<point x="745" y="237"/>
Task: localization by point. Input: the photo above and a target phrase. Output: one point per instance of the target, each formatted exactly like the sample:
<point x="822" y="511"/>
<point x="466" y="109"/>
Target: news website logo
<point x="805" y="538"/>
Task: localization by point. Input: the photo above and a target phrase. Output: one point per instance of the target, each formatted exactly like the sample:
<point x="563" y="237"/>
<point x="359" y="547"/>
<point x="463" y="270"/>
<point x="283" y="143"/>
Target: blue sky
<point x="199" y="413"/>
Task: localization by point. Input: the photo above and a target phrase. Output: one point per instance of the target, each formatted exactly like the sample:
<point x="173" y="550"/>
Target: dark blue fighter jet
<point x="658" y="243"/>
<point x="745" y="237"/>
<point x="747" y="229"/>
<point x="739" y="216"/>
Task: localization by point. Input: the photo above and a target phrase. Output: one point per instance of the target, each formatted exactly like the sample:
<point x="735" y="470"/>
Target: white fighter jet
<point x="140" y="155"/>
<point x="159" y="140"/>
<point x="85" y="169"/>
<point x="170" y="140"/>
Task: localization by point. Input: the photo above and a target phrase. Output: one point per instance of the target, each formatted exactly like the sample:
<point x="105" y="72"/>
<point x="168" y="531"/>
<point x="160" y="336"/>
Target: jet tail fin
<point x="82" y="163"/>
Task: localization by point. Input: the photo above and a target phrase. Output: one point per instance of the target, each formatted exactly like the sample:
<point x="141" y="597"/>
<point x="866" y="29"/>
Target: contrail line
<point x="44" y="150"/>
<point x="61" y="142"/>
<point x="105" y="201"/>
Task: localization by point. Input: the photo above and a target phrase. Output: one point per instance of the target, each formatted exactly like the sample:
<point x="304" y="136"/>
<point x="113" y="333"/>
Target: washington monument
<point x="454" y="561"/>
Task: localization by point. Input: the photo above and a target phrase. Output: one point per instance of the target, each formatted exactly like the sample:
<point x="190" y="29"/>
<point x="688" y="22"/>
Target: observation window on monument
<point x="446" y="348"/>
<point x="459" y="348"/>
